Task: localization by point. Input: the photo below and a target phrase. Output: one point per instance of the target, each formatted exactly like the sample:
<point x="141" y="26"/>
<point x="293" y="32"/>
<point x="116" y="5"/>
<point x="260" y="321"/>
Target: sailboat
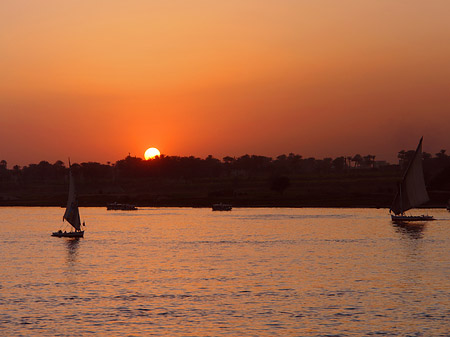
<point x="412" y="191"/>
<point x="72" y="214"/>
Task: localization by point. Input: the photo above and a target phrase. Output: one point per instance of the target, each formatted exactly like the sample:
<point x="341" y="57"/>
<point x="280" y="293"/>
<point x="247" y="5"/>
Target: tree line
<point x="177" y="167"/>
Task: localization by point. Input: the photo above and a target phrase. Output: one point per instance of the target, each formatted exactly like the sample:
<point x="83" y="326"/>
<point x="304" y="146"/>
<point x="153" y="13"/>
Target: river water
<point x="248" y="272"/>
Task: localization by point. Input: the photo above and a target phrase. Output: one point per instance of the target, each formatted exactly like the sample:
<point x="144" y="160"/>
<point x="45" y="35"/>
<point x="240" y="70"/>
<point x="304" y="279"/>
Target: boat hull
<point x="60" y="234"/>
<point x="121" y="207"/>
<point x="222" y="207"/>
<point x="404" y="218"/>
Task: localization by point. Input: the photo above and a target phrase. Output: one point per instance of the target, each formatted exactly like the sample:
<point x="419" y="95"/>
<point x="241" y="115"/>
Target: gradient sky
<point x="96" y="80"/>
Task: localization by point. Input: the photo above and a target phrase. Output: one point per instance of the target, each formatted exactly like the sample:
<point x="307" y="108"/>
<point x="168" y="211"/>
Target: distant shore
<point x="248" y="181"/>
<point x="209" y="205"/>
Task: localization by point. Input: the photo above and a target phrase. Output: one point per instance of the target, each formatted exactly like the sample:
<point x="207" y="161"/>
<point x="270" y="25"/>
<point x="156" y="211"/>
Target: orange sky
<point x="96" y="80"/>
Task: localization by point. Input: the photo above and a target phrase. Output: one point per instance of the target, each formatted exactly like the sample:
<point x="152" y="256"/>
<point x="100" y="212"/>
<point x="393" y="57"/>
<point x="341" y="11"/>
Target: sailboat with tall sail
<point x="412" y="191"/>
<point x="72" y="214"/>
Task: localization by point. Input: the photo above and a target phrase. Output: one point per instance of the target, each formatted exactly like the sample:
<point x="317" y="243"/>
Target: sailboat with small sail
<point x="72" y="214"/>
<point x="412" y="191"/>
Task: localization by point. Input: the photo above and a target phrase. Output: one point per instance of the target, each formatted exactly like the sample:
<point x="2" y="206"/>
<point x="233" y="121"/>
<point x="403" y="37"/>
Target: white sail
<point x="72" y="214"/>
<point x="412" y="190"/>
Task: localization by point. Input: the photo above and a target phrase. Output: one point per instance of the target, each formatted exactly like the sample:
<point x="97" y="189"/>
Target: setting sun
<point x="151" y="153"/>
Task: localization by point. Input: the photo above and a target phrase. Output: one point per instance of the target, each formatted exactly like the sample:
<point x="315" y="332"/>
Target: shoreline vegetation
<point x="246" y="181"/>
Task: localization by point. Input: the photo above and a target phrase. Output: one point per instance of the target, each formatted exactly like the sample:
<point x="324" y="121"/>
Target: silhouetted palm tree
<point x="357" y="159"/>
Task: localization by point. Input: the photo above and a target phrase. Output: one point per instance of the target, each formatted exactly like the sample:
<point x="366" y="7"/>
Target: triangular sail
<point x="72" y="214"/>
<point x="412" y="190"/>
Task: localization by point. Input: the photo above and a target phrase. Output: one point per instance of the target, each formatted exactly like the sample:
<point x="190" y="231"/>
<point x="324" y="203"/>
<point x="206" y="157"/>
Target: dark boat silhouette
<point x="412" y="191"/>
<point x="72" y="214"/>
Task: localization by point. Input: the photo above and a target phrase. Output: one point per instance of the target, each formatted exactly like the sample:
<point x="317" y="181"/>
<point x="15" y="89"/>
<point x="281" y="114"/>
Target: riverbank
<point x="372" y="189"/>
<point x="438" y="200"/>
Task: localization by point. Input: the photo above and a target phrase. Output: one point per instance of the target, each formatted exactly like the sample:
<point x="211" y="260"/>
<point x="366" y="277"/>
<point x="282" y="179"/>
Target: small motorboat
<point x="120" y="207"/>
<point x="221" y="207"/>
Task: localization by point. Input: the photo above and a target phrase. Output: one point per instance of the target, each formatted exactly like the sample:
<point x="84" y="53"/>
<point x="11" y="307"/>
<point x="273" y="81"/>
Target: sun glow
<point x="151" y="153"/>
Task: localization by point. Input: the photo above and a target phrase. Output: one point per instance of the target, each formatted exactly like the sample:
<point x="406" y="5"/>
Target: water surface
<point x="248" y="272"/>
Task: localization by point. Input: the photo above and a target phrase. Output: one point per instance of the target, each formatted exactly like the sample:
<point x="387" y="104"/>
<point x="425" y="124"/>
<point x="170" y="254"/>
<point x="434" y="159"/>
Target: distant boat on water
<point x="221" y="207"/>
<point x="412" y="191"/>
<point x="120" y="207"/>
<point x="72" y="214"/>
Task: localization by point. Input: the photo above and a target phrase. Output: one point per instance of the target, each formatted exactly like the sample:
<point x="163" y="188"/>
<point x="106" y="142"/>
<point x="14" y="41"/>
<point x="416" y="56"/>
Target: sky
<point x="96" y="80"/>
